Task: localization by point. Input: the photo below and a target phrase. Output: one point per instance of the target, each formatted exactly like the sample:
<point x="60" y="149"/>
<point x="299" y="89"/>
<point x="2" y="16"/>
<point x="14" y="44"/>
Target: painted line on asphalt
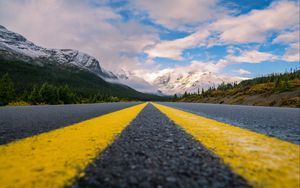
<point x="262" y="160"/>
<point x="56" y="158"/>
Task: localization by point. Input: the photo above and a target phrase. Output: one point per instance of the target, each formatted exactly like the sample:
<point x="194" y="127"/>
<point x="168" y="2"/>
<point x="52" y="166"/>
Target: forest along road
<point x="149" y="145"/>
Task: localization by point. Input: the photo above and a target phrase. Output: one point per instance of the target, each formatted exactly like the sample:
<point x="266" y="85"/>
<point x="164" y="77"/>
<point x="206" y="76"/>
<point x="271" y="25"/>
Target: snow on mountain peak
<point x="168" y="81"/>
<point x="15" y="46"/>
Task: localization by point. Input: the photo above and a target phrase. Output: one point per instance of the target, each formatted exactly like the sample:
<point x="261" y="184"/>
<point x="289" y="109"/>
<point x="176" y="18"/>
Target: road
<point x="149" y="145"/>
<point x="151" y="153"/>
<point x="283" y="123"/>
<point x="25" y="121"/>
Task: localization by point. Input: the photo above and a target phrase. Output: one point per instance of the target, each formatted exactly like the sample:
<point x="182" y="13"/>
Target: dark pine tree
<point x="49" y="94"/>
<point x="34" y="96"/>
<point x="7" y="91"/>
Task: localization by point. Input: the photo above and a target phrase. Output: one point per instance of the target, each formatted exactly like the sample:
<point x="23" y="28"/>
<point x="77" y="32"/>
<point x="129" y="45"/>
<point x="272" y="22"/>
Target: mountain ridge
<point x="30" y="66"/>
<point x="14" y="46"/>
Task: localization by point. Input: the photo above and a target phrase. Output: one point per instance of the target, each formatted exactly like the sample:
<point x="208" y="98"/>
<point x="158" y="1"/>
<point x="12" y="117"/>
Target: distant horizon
<point x="167" y="45"/>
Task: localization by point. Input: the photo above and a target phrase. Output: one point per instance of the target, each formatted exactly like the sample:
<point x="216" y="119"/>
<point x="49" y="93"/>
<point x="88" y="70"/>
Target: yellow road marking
<point x="56" y="158"/>
<point x="262" y="160"/>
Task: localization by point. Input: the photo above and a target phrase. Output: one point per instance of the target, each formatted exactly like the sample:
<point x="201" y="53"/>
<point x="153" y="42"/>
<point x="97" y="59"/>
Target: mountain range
<point x="29" y="63"/>
<point x="14" y="46"/>
<point x="190" y="81"/>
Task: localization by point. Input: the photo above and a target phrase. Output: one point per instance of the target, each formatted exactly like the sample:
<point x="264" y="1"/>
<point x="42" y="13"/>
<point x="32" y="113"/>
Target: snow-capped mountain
<point x="171" y="81"/>
<point x="190" y="81"/>
<point x="15" y="46"/>
<point x="179" y="82"/>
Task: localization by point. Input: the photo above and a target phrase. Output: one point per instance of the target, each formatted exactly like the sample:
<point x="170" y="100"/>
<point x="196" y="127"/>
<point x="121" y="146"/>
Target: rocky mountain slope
<point x="30" y="66"/>
<point x="14" y="46"/>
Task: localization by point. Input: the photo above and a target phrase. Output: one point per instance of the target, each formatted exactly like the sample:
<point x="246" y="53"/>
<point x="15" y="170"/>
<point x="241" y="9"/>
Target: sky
<point x="147" y="39"/>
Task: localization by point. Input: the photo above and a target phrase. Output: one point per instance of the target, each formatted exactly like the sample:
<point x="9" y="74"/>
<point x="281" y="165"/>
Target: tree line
<point x="47" y="94"/>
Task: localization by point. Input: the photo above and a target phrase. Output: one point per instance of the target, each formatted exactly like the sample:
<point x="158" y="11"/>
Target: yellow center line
<point x="262" y="160"/>
<point x="56" y="158"/>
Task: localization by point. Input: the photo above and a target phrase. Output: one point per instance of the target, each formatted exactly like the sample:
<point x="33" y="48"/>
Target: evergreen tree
<point x="7" y="91"/>
<point x="277" y="83"/>
<point x="97" y="98"/>
<point x="175" y="98"/>
<point x="65" y="95"/>
<point x="24" y="96"/>
<point x="34" y="96"/>
<point x="49" y="94"/>
<point x="286" y="85"/>
<point x="114" y="99"/>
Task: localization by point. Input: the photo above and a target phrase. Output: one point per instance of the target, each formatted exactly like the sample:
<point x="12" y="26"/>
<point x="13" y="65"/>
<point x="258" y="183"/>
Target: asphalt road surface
<point x="283" y="123"/>
<point x="25" y="121"/>
<point x="152" y="151"/>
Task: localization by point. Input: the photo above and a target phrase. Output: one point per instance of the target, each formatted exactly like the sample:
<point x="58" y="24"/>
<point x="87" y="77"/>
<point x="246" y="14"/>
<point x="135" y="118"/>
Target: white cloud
<point x="178" y="14"/>
<point x="252" y="27"/>
<point x="139" y="84"/>
<point x="173" y="49"/>
<point x="78" y="25"/>
<point x="252" y="56"/>
<point x="256" y="25"/>
<point x="242" y="71"/>
<point x="292" y="53"/>
<point x="288" y="37"/>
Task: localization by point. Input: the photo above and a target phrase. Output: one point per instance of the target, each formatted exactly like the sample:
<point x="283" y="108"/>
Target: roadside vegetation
<point x="272" y="90"/>
<point x="23" y="83"/>
<point x="46" y="94"/>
